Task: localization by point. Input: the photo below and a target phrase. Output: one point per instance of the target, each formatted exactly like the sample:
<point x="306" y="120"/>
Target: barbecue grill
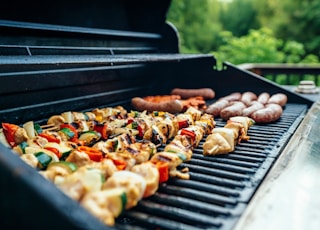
<point x="77" y="56"/>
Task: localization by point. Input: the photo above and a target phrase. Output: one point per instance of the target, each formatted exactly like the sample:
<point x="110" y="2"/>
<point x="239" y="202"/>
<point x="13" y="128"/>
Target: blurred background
<point x="250" y="31"/>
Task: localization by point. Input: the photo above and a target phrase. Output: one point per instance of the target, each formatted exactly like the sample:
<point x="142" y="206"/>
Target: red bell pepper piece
<point x="55" y="151"/>
<point x="130" y="120"/>
<point x="188" y="133"/>
<point x="120" y="164"/>
<point x="9" y="130"/>
<point x="163" y="168"/>
<point x="140" y="130"/>
<point x="183" y="124"/>
<point x="94" y="154"/>
<point x="79" y="142"/>
<point x="102" y="129"/>
<point x="49" y="137"/>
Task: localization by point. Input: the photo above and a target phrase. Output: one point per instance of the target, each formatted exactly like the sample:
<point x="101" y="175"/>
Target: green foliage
<point x="294" y="51"/>
<point x="259" y="46"/>
<point x="193" y="20"/>
<point x="239" y="17"/>
<point x="311" y="59"/>
<point x="292" y="20"/>
<point x="244" y="31"/>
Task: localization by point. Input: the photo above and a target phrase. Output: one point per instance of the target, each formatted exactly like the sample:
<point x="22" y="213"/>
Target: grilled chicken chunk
<point x="133" y="184"/>
<point x="151" y="175"/>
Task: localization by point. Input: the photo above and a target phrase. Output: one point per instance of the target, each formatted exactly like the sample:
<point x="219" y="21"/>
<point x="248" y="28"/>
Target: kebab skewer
<point x="224" y="139"/>
<point x="74" y="174"/>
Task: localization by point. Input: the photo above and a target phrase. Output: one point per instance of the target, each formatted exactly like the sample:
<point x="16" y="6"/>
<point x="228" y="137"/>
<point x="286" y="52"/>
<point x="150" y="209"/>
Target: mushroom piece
<point x="20" y="136"/>
<point x="56" y="120"/>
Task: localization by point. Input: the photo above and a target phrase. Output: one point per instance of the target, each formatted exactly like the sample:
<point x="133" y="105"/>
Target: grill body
<point x="49" y="65"/>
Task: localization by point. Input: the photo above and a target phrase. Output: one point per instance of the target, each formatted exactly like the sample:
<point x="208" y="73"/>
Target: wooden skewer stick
<point x="52" y="128"/>
<point x="49" y="127"/>
<point x="114" y="135"/>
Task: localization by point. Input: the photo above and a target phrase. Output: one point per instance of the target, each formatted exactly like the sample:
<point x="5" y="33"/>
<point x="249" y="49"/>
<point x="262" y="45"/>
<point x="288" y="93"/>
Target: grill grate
<point x="220" y="187"/>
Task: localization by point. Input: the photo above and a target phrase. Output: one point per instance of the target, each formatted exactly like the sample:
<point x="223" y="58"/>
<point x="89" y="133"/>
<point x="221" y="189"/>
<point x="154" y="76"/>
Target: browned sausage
<point x="263" y="98"/>
<point x="161" y="98"/>
<point x="206" y="93"/>
<point x="216" y="107"/>
<point x="255" y="105"/>
<point x="270" y="113"/>
<point x="248" y="97"/>
<point x="140" y="104"/>
<point x="278" y="98"/>
<point x="235" y="109"/>
<point x="232" y="97"/>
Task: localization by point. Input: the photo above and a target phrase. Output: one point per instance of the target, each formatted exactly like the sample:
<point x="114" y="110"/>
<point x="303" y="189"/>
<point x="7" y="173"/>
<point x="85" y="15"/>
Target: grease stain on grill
<point x="220" y="187"/>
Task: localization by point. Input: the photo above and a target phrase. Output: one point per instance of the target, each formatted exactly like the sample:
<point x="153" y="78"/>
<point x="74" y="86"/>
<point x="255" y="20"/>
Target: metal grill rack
<point x="220" y="186"/>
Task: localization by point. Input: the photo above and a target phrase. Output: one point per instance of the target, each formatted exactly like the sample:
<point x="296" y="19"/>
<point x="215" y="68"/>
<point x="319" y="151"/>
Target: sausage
<point x="216" y="107"/>
<point x="140" y="104"/>
<point x="270" y="113"/>
<point x="206" y="93"/>
<point x="248" y="97"/>
<point x="235" y="109"/>
<point x="278" y="98"/>
<point x="232" y="97"/>
<point x="161" y="98"/>
<point x="263" y="98"/>
<point x="255" y="105"/>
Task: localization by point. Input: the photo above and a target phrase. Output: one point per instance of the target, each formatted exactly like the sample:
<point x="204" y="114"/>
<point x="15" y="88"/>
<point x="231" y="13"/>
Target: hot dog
<point x="255" y="105"/>
<point x="278" y="98"/>
<point x="235" y="109"/>
<point x="263" y="98"/>
<point x="248" y="97"/>
<point x="270" y="113"/>
<point x="206" y="93"/>
<point x="140" y="104"/>
<point x="216" y="107"/>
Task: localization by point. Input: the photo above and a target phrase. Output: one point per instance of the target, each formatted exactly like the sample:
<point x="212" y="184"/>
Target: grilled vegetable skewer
<point x="109" y="169"/>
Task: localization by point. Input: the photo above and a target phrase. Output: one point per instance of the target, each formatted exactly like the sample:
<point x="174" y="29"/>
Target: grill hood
<point x="126" y="15"/>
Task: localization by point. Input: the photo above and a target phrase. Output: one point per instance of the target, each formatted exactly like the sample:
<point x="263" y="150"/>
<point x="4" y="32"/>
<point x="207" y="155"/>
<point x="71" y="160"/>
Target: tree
<point x="259" y="46"/>
<point x="196" y="24"/>
<point x="239" y="17"/>
<point x="292" y="20"/>
<point x="231" y="31"/>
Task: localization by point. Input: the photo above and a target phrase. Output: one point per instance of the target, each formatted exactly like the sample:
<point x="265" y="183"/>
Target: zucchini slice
<point x="69" y="166"/>
<point x="89" y="137"/>
<point x="116" y="200"/>
<point x="44" y="159"/>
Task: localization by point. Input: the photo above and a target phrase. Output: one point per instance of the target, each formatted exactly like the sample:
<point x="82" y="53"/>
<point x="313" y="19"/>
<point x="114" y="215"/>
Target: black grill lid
<point x="138" y="15"/>
<point x="119" y="24"/>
